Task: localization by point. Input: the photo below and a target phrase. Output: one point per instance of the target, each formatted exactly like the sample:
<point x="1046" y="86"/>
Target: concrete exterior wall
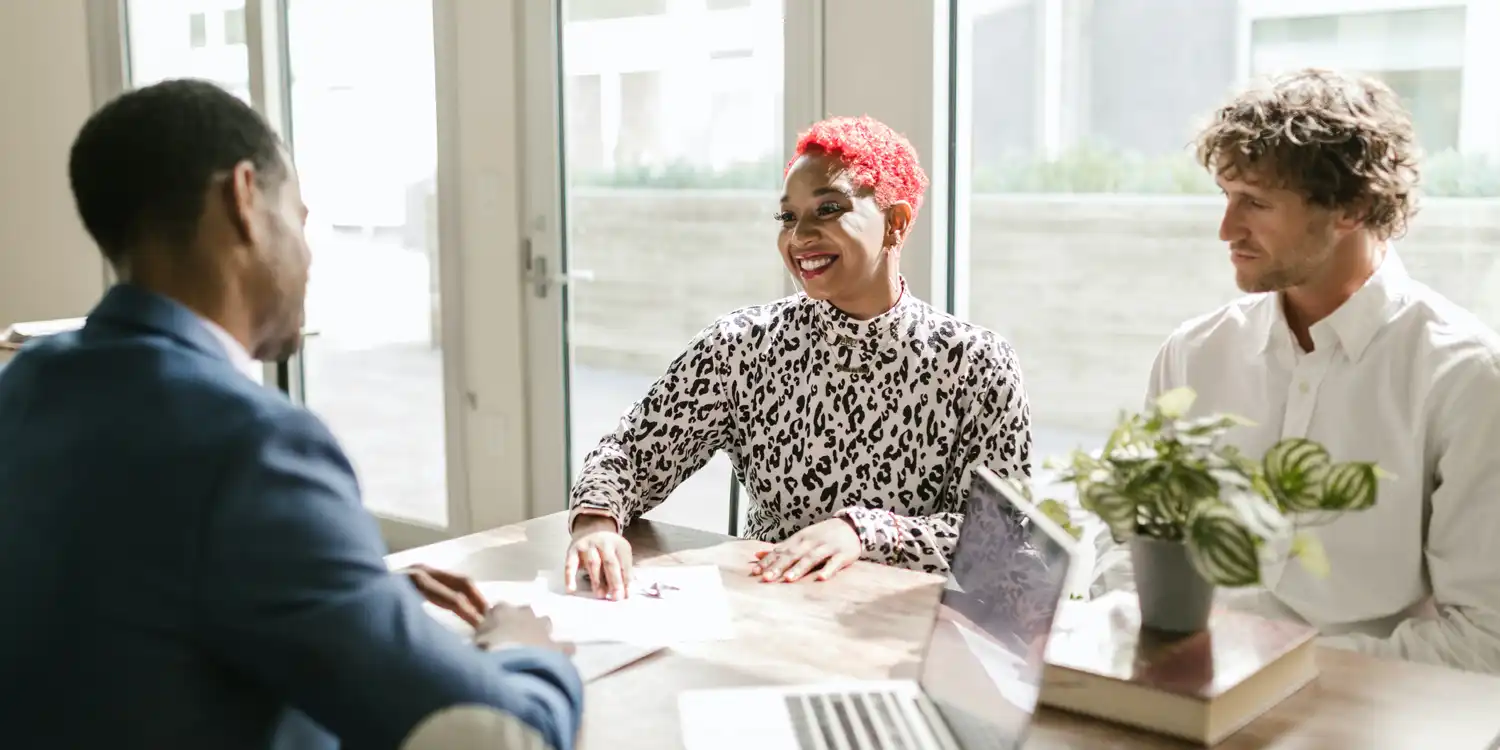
<point x="1085" y="287"/>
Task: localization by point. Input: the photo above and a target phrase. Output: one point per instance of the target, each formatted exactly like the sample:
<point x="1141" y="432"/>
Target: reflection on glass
<point x="673" y="146"/>
<point x="983" y="667"/>
<point x="1083" y="179"/>
<point x="1419" y="53"/>
<point x="364" y="130"/>
<point x="188" y="39"/>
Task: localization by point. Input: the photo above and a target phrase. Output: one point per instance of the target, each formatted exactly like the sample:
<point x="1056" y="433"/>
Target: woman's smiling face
<point x="834" y="235"/>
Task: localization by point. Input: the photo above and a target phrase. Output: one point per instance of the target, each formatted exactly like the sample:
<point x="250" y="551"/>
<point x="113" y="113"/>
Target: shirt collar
<point x="238" y="356"/>
<point x="1353" y="325"/>
<point x="839" y="328"/>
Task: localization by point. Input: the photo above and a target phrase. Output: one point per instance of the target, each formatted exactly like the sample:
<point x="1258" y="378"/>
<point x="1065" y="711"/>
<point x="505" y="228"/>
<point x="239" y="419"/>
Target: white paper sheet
<point x="595" y="660"/>
<point x="693" y="606"/>
<point x="611" y="634"/>
<point x="592" y="660"/>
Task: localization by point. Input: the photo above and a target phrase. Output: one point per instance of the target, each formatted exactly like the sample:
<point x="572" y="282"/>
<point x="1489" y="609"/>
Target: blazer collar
<point x="130" y="306"/>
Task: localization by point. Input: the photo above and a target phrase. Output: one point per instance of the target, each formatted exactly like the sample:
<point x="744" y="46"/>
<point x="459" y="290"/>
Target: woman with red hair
<point x="853" y="413"/>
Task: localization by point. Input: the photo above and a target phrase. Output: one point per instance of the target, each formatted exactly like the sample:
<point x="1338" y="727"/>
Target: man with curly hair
<point x="854" y="413"/>
<point x="1338" y="344"/>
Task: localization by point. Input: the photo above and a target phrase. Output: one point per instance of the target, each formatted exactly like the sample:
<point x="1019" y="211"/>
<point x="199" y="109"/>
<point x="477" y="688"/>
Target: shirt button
<point x="1302" y="386"/>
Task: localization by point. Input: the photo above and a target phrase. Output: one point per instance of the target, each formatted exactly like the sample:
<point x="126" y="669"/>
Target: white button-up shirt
<point x="1400" y="376"/>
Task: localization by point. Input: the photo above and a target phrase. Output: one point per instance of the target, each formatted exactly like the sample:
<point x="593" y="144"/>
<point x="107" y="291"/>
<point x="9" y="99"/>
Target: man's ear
<point x="241" y="200"/>
<point x="897" y="223"/>
<point x="1350" y="218"/>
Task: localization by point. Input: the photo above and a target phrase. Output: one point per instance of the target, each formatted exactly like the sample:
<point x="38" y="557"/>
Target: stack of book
<point x="1200" y="687"/>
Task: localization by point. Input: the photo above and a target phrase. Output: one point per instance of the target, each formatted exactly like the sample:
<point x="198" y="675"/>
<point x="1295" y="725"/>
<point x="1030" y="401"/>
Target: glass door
<point x="670" y="136"/>
<point x="351" y="85"/>
<point x="363" y="123"/>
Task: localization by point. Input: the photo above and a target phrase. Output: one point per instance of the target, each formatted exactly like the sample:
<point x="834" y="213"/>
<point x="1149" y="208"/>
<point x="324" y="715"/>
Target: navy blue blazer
<point x="185" y="562"/>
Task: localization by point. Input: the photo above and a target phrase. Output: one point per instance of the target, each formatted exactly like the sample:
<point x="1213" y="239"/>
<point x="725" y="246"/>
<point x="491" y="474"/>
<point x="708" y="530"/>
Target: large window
<point x="361" y="120"/>
<point x="673" y="150"/>
<point x="1092" y="234"/>
<point x="193" y="38"/>
<point x="627" y="202"/>
<point x="1418" y="52"/>
<point x="365" y="132"/>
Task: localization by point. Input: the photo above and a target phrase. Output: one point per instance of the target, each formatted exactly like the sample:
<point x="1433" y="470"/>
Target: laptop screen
<point x="983" y="666"/>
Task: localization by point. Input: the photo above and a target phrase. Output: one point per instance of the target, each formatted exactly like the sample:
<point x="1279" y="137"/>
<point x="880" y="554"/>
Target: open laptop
<point x="981" y="668"/>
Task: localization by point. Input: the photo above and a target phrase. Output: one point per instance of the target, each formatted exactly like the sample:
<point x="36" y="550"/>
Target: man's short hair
<point x="1340" y="141"/>
<point x="140" y="165"/>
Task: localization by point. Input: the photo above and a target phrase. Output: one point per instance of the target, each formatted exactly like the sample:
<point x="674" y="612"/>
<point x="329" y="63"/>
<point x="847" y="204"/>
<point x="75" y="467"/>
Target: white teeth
<point x="813" y="264"/>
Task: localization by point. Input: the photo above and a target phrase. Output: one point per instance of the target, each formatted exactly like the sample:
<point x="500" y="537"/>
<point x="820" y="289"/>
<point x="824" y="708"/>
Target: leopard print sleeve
<point x="663" y="439"/>
<point x="996" y="433"/>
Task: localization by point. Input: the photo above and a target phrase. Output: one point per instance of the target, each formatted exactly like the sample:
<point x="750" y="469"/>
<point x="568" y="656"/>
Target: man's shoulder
<point x="1453" y="338"/>
<point x="1228" y="323"/>
<point x="178" y="394"/>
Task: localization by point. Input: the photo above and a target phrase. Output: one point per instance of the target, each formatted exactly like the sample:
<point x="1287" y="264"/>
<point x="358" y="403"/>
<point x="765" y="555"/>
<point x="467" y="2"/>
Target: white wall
<point x="48" y="266"/>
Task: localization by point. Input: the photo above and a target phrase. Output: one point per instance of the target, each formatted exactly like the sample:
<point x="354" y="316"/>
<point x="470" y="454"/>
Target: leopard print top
<point x="880" y="422"/>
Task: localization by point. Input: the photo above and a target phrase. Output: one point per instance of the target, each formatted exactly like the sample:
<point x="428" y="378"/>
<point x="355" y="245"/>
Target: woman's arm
<point x="996" y="434"/>
<point x="665" y="437"/>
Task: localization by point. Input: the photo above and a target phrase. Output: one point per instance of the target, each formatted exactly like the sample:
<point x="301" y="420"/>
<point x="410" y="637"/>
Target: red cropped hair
<point x="875" y="156"/>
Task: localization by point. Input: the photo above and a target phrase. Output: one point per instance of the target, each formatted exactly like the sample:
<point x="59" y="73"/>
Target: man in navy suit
<point x="184" y="557"/>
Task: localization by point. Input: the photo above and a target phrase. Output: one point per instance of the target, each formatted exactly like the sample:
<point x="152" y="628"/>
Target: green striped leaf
<point x="1148" y="488"/>
<point x="1191" y="483"/>
<point x="1295" y="468"/>
<point x="1258" y="515"/>
<point x="1350" y="486"/>
<point x="1112" y="507"/>
<point x="1231" y="478"/>
<point x="1180" y="490"/>
<point x="1220" y="547"/>
<point x="1154" y="505"/>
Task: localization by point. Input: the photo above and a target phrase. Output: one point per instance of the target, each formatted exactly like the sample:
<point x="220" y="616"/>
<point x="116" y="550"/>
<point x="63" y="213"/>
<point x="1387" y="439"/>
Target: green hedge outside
<point x="1084" y="170"/>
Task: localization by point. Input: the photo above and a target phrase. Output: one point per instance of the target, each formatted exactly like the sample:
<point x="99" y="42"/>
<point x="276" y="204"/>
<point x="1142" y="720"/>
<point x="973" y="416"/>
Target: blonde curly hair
<point x="1340" y="141"/>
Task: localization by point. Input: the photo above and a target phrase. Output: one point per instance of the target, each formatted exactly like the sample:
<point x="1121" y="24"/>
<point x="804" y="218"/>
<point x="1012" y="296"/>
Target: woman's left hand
<point x="834" y="543"/>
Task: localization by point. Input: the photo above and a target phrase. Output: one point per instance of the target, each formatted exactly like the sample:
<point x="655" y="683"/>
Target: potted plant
<point x="1196" y="513"/>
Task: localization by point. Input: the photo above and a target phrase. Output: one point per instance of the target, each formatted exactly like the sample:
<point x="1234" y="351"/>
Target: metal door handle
<point x="541" y="281"/>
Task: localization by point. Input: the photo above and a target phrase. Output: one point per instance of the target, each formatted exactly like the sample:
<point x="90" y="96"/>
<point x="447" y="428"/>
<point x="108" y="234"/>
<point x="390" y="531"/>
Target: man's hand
<point x="506" y="625"/>
<point x="599" y="549"/>
<point x="451" y="591"/>
<point x="834" y="543"/>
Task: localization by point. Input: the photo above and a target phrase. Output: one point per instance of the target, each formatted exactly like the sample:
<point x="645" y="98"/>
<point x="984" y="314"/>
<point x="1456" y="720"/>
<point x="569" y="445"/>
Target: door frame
<point x="543" y="240"/>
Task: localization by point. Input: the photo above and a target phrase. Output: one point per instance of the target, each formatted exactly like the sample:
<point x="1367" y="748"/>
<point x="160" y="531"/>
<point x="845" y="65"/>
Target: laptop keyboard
<point x="856" y="721"/>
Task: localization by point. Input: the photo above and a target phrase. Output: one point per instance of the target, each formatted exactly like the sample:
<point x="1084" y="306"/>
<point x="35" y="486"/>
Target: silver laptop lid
<point x="984" y="660"/>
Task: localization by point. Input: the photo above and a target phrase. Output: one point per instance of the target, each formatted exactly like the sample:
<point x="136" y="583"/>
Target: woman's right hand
<point x="601" y="551"/>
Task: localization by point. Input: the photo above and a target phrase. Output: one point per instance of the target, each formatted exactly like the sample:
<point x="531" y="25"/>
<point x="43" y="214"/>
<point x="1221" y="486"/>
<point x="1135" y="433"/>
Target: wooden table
<point x="869" y="623"/>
